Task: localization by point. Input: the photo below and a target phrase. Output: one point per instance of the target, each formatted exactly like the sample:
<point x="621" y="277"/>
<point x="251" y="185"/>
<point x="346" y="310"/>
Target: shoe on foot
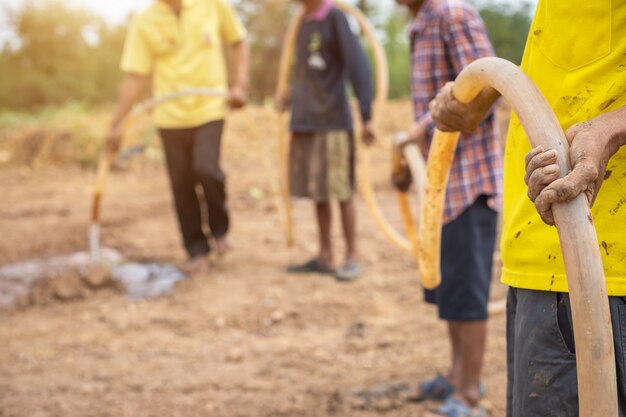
<point x="311" y="266"/>
<point x="438" y="389"/>
<point x="350" y="271"/>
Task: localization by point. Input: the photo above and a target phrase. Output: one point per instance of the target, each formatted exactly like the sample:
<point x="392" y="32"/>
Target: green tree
<point x="63" y="54"/>
<point x="266" y="22"/>
<point x="508" y="27"/>
<point x="397" y="49"/>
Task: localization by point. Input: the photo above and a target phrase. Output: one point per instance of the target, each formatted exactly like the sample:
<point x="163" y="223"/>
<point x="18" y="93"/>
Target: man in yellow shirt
<point x="576" y="54"/>
<point x="179" y="45"/>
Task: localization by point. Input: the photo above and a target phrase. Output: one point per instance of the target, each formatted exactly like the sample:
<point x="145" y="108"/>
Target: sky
<point x="113" y="10"/>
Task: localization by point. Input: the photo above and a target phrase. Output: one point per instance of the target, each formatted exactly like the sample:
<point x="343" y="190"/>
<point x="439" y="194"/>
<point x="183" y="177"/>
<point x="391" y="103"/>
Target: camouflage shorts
<point x="322" y="165"/>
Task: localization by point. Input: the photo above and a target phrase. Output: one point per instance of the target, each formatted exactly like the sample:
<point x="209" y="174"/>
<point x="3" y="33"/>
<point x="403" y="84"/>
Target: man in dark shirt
<point x="322" y="146"/>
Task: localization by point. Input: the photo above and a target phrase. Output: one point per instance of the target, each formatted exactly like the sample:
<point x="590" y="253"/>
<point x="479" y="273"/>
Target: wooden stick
<point x="404" y="150"/>
<point x="282" y="89"/>
<point x="107" y="157"/>
<point x="382" y="92"/>
<point x="593" y="336"/>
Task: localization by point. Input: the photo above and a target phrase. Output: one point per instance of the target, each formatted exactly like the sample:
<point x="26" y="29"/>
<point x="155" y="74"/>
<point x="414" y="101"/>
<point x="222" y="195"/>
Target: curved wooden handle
<point x="404" y="202"/>
<point x="107" y="157"/>
<point x="410" y="152"/>
<point x="382" y="91"/>
<point x="282" y="88"/>
<point x="579" y="243"/>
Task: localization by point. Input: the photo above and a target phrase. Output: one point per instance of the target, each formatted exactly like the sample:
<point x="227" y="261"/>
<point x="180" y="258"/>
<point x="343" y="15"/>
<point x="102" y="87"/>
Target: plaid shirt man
<point x="446" y="36"/>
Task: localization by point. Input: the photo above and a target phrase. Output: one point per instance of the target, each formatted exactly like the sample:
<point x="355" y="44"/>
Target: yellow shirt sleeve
<point x="137" y="57"/>
<point x="231" y="28"/>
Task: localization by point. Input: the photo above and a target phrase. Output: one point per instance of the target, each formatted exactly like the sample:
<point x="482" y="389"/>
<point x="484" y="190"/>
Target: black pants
<point x="542" y="380"/>
<point x="193" y="157"/>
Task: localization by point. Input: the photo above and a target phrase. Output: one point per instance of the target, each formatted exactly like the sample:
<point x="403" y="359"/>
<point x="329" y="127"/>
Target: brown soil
<point x="245" y="340"/>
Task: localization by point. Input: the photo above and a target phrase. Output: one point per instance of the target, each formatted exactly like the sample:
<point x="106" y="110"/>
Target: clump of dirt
<point x="68" y="285"/>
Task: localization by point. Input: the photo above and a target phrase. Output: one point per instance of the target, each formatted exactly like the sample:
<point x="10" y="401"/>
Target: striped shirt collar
<point x="423" y="16"/>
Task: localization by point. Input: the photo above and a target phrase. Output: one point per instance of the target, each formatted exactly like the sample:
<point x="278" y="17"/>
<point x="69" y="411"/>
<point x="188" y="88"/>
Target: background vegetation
<point x="63" y="54"/>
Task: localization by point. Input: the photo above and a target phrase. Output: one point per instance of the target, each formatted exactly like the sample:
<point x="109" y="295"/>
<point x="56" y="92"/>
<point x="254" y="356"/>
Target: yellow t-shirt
<point x="183" y="52"/>
<point x="576" y="54"/>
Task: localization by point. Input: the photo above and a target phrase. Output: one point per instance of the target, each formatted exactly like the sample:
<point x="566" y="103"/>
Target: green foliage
<point x="64" y="54"/>
<point x="397" y="50"/>
<point x="266" y="22"/>
<point x="68" y="54"/>
<point x="508" y="27"/>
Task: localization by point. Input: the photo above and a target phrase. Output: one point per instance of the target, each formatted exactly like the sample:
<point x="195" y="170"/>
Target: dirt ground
<point x="245" y="340"/>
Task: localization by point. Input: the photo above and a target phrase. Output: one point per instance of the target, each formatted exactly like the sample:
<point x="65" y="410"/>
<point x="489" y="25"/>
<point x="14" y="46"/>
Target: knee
<point x="204" y="172"/>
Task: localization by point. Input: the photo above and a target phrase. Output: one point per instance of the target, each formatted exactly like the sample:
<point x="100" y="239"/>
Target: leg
<point x="455" y="373"/>
<point x="324" y="221"/>
<point x="341" y="185"/>
<point x="308" y="178"/>
<point x="348" y="221"/>
<point x="470" y="337"/>
<point x="207" y="169"/>
<point x="178" y="154"/>
<point x="462" y="297"/>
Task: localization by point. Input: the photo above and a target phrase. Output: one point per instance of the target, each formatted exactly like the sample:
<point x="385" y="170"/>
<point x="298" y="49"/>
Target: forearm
<point x="130" y="91"/>
<point x="241" y="62"/>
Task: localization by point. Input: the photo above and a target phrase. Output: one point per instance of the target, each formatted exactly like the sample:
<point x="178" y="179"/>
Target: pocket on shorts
<point x="564" y="324"/>
<point x="564" y="32"/>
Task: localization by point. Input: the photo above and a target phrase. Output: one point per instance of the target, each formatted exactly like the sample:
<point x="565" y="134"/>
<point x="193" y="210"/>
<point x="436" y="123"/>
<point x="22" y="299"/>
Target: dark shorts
<point x="466" y="258"/>
<point x="322" y="165"/>
<point x="541" y="356"/>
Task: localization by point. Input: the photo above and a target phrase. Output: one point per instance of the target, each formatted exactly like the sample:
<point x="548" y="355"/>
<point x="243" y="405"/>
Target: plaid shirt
<point x="446" y="36"/>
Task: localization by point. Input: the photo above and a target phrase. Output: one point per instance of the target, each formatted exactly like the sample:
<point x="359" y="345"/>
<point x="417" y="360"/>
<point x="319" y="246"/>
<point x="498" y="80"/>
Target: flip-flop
<point x="438" y="389"/>
<point x="350" y="271"/>
<point x="311" y="267"/>
<point x="455" y="408"/>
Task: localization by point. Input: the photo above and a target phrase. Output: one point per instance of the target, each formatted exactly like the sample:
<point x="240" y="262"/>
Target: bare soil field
<point x="245" y="340"/>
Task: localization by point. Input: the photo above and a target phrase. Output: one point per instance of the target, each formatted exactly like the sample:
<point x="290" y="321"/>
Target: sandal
<point x="312" y="266"/>
<point x="438" y="388"/>
<point x="455" y="408"/>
